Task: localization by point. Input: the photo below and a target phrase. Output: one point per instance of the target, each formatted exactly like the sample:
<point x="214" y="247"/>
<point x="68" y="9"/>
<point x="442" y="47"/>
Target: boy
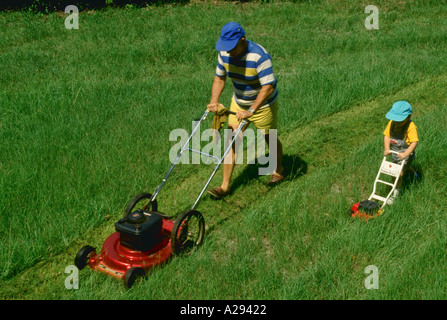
<point x="401" y="136"/>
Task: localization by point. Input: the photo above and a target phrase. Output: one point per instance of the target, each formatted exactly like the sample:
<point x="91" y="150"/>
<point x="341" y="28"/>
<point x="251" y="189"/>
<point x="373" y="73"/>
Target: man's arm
<point x="216" y="91"/>
<point x="265" y="92"/>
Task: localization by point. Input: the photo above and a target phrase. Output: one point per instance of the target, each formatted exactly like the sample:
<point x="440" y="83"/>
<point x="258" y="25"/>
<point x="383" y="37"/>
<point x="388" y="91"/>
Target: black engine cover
<point x="140" y="230"/>
<point x="369" y="207"/>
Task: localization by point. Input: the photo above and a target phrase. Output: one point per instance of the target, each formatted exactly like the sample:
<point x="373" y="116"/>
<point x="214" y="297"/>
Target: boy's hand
<point x="386" y="152"/>
<point x="402" y="155"/>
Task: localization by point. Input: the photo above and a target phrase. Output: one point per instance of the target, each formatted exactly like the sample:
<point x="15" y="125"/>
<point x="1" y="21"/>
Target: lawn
<point x="85" y="118"/>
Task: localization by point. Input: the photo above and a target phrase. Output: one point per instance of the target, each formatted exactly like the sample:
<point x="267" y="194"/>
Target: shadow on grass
<point x="410" y="180"/>
<point x="294" y="167"/>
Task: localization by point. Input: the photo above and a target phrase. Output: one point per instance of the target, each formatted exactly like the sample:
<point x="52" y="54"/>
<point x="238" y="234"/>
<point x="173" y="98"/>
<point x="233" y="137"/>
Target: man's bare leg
<point x="279" y="152"/>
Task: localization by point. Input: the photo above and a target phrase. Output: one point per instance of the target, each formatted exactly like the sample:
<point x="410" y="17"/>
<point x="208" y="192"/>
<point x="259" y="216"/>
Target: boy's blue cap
<point x="399" y="111"/>
<point x="230" y="35"/>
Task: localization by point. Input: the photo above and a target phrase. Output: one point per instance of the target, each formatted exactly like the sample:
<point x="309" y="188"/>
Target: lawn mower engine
<point x="366" y="209"/>
<point x="141" y="230"/>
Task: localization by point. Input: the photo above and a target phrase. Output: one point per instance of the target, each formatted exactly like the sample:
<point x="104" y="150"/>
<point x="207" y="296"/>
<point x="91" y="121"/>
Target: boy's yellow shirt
<point x="411" y="135"/>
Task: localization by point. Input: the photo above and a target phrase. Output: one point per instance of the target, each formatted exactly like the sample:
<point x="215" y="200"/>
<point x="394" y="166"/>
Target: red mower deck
<point x="116" y="259"/>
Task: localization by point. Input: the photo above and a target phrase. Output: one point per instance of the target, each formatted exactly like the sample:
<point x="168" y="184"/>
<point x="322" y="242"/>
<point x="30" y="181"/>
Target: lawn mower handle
<point x="237" y="131"/>
<point x="197" y="126"/>
<point x="207" y="111"/>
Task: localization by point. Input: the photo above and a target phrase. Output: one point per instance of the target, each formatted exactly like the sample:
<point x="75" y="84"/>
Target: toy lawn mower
<point x="370" y="208"/>
<point x="145" y="237"/>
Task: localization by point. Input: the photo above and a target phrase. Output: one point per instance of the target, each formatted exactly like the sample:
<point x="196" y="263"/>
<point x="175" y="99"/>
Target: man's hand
<point x="243" y="114"/>
<point x="212" y="107"/>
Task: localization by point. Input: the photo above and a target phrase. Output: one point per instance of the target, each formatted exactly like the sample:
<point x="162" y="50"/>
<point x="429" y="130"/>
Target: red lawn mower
<point x="145" y="237"/>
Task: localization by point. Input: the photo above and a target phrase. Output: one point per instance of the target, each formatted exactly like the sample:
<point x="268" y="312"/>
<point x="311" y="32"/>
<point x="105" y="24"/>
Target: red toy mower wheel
<point x="83" y="256"/>
<point x="140" y="202"/>
<point x="188" y="231"/>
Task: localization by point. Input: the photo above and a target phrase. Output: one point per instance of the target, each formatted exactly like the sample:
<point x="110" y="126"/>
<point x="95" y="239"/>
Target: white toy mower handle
<point x="396" y="153"/>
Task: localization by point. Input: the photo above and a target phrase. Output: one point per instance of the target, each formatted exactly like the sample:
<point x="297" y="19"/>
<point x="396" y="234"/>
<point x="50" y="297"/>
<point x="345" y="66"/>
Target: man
<point x="249" y="66"/>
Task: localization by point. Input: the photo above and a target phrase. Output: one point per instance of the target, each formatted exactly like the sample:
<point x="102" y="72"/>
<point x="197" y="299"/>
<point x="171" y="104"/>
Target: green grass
<point x="85" y="117"/>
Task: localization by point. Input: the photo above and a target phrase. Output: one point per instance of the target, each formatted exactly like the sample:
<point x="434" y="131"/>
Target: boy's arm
<point x="409" y="150"/>
<point x="387" y="139"/>
<point x="386" y="145"/>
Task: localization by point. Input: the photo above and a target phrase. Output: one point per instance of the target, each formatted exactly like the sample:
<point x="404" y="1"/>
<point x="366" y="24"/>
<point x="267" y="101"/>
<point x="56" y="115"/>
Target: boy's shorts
<point x="266" y="118"/>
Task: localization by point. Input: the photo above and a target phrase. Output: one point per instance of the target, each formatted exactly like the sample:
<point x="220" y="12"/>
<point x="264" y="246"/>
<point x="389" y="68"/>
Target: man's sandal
<point x="275" y="178"/>
<point x="218" y="192"/>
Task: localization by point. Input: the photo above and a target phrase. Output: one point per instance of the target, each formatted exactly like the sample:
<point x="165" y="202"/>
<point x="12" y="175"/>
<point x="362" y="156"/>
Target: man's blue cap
<point x="230" y="35"/>
<point x="399" y="111"/>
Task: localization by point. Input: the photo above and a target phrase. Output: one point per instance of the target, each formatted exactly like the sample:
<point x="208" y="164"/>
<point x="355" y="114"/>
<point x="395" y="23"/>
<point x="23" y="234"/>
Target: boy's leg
<point x="406" y="168"/>
<point x="397" y="189"/>
<point x="414" y="172"/>
<point x="399" y="182"/>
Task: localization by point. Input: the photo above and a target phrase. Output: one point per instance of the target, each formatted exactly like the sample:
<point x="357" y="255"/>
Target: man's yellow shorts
<point x="266" y="118"/>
